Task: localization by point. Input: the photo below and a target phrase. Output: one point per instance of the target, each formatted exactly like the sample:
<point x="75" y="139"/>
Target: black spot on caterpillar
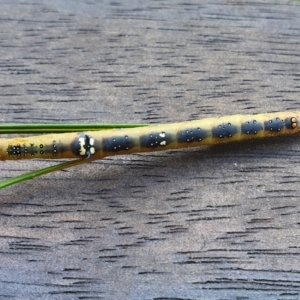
<point x="83" y="145"/>
<point x="155" y="139"/>
<point x="275" y="124"/>
<point x="225" y="130"/>
<point x="117" y="143"/>
<point x="251" y="127"/>
<point x="191" y="135"/>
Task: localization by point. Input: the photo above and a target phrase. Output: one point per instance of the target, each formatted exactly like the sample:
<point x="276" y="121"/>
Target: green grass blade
<point x="61" y="128"/>
<point x="10" y="181"/>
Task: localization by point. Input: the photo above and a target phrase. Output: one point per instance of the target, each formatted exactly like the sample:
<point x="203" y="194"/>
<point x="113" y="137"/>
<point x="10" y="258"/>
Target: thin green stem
<point x="10" y="181"/>
<point x="60" y="128"/>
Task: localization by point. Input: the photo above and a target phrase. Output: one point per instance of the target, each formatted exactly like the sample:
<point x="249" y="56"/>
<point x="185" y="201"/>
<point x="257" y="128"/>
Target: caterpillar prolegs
<point x="99" y="144"/>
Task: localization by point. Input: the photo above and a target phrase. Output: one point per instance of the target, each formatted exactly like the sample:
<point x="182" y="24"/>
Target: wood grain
<point x="210" y="223"/>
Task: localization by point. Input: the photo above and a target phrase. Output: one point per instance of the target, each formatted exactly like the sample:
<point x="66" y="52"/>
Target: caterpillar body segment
<point x="99" y="144"/>
<point x="43" y="146"/>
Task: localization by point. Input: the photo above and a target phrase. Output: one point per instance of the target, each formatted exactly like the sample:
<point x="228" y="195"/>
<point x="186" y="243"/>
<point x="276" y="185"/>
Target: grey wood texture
<point x="208" y="223"/>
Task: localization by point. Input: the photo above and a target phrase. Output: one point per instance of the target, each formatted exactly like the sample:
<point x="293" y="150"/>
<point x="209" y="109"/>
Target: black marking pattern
<point x="89" y="146"/>
<point x="251" y="127"/>
<point x="155" y="139"/>
<point x="41" y="149"/>
<point x="21" y="150"/>
<point x="33" y="149"/>
<point x="83" y="145"/>
<point x="117" y="143"/>
<point x="75" y="146"/>
<point x="275" y="124"/>
<point x="54" y="148"/>
<point x="225" y="130"/>
<point x="191" y="135"/>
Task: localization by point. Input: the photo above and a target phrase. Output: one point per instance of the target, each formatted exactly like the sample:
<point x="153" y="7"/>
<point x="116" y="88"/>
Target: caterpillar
<point x="99" y="144"/>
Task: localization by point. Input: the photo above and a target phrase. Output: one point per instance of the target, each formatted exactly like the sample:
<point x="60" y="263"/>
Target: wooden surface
<point x="209" y="223"/>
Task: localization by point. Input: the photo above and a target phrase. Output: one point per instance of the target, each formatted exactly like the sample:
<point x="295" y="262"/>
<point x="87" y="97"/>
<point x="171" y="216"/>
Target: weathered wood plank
<point x="212" y="223"/>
